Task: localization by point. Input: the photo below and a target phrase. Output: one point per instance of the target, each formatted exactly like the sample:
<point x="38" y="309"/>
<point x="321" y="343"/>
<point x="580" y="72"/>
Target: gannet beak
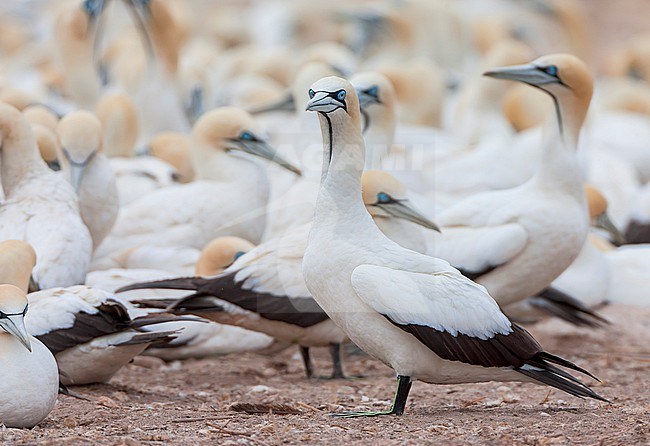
<point x="285" y="103"/>
<point x="528" y="73"/>
<point x="323" y="102"/>
<point x="403" y="209"/>
<point x="262" y="149"/>
<point x="141" y="11"/>
<point x="603" y="222"/>
<point x="76" y="175"/>
<point x="15" y="326"/>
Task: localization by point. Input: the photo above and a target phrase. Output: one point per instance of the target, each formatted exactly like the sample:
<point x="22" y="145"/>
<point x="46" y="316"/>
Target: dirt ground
<point x="153" y="403"/>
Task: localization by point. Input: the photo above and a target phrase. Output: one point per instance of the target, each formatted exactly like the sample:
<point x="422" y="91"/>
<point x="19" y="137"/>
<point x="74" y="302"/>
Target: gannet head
<point x="80" y="137"/>
<point x="335" y="97"/>
<point x="13" y="307"/>
<point x="233" y="130"/>
<point x="220" y="253"/>
<point x="376" y="99"/>
<point x="385" y="196"/>
<point x="564" y="77"/>
<point x="17" y="260"/>
<point x="597" y="204"/>
<point x="173" y="148"/>
<point x="120" y="124"/>
<point x="48" y="145"/>
<point x="41" y="114"/>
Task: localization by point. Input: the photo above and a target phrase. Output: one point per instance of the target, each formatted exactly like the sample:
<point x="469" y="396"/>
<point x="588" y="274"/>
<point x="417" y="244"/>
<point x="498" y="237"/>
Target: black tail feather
<point x="562" y="305"/>
<point x="181" y="283"/>
<point x="540" y="369"/>
<point x="160" y="318"/>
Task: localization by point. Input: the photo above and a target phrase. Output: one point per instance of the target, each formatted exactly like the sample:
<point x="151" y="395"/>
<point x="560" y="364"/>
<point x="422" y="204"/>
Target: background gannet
<point x="85" y="166"/>
<point x="40" y="207"/>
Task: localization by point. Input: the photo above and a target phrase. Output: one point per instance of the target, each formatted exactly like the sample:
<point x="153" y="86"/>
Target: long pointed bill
<point x="264" y="150"/>
<point x="528" y="73"/>
<point x="141" y="12"/>
<point x="15" y="326"/>
<point x="323" y="102"/>
<point x="402" y="209"/>
<point x="285" y="103"/>
<point x="603" y="222"/>
<point x="76" y="175"/>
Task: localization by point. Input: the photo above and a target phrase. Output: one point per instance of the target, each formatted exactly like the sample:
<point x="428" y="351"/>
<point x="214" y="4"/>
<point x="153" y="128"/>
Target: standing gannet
<point x="415" y="313"/>
<point x="86" y="167"/>
<point x="40" y="207"/>
<point x="515" y="242"/>
<point x="29" y="379"/>
<point x="229" y="196"/>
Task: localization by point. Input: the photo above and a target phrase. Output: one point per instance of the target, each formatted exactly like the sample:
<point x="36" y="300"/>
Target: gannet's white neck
<point x="343" y="162"/>
<point x="559" y="165"/>
<point x="20" y="156"/>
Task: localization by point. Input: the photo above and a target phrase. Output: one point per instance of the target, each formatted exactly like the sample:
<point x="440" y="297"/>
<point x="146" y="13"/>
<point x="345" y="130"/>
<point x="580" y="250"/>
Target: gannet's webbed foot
<point x="397" y="408"/>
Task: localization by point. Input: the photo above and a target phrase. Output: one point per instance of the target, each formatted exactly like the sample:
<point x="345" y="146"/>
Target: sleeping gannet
<point x="40" y="208"/>
<point x="29" y="379"/>
<point x="85" y="166"/>
<point x="516" y="241"/>
<point x="264" y="289"/>
<point x="417" y="314"/>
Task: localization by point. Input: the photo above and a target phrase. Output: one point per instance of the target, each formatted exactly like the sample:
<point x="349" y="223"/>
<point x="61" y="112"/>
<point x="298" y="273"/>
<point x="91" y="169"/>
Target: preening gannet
<point x="29" y="379"/>
<point x="515" y="242"/>
<point x="415" y="313"/>
<point x="40" y="207"/>
<point x="87" y="168"/>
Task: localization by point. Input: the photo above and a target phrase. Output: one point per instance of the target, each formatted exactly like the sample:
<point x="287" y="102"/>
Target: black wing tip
<point x="545" y="372"/>
<point x="180" y="283"/>
<point x="564" y="306"/>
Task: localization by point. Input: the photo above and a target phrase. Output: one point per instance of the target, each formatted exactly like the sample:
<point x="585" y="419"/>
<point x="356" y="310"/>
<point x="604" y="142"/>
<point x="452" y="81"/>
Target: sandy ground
<point x="150" y="402"/>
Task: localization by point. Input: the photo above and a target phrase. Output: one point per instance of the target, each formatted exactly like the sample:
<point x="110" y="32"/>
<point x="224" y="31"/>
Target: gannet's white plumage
<point x="537" y="229"/>
<point x="87" y="168"/>
<point x="229" y="196"/>
<point x="29" y="380"/>
<point x="40" y="208"/>
<point x="415" y="313"/>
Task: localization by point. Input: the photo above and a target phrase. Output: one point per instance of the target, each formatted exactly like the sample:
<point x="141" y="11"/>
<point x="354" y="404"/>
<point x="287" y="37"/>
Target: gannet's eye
<point x="383" y="197"/>
<point x="238" y="254"/>
<point x="247" y="136"/>
<point x="312" y="93"/>
<point x="373" y="91"/>
<point x="341" y="95"/>
<point x="551" y="70"/>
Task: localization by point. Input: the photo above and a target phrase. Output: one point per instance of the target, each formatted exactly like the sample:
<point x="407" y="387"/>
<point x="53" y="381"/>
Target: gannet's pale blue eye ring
<point x="373" y="91"/>
<point x="312" y="93"/>
<point x="341" y="95"/>
<point x="247" y="136"/>
<point x="551" y="70"/>
<point x="238" y="254"/>
<point x="383" y="197"/>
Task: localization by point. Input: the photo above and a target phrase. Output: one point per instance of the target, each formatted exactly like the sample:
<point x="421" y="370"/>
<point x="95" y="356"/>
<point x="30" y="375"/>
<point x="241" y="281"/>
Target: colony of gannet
<point x="192" y="179"/>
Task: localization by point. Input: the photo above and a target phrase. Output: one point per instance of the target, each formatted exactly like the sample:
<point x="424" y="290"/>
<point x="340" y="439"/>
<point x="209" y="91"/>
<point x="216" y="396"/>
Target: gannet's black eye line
<point x="384" y="198"/>
<point x="312" y="93"/>
<point x="338" y="95"/>
<point x="4" y="315"/>
<point x="373" y="92"/>
<point x="248" y="136"/>
<point x="552" y="70"/>
<point x="238" y="254"/>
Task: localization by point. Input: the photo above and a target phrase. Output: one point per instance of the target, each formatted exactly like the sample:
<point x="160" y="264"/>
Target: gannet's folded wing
<point x="478" y="250"/>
